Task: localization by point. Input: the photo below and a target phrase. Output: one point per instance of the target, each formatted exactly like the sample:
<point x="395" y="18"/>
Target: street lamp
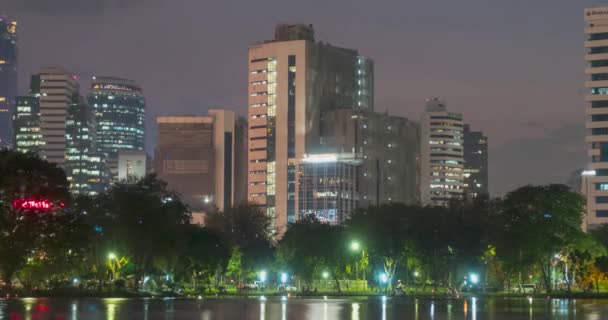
<point x="283" y="278"/>
<point x="355" y="246"/>
<point x="262" y="278"/>
<point x="384" y="280"/>
<point x="474" y="278"/>
<point x="325" y="274"/>
<point x="112" y="263"/>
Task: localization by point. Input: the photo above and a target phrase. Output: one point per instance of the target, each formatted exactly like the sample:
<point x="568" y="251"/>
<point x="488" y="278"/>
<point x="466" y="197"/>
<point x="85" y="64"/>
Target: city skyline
<point x="494" y="104"/>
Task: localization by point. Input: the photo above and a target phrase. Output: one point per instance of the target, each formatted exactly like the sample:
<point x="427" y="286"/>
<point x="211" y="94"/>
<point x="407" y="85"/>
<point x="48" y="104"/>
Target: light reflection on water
<point x="275" y="308"/>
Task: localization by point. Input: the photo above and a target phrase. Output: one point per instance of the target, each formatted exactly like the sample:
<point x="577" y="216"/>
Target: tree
<point x="249" y="228"/>
<point x="384" y="230"/>
<point x="23" y="231"/>
<point x="538" y="223"/>
<point x="148" y="219"/>
<point x="310" y="248"/>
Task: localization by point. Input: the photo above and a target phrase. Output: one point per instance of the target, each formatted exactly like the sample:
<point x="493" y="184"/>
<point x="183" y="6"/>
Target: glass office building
<point x="120" y="112"/>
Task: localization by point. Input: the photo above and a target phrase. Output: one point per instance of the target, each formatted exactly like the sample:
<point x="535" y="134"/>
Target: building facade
<point x="120" y="113"/>
<point x="57" y="90"/>
<point x="596" y="178"/>
<point x="291" y="80"/>
<point x="442" y="154"/>
<point x="475" y="172"/>
<point x="195" y="156"/>
<point x="328" y="187"/>
<point x="85" y="170"/>
<point x="388" y="147"/>
<point x="26" y="124"/>
<point x="8" y="79"/>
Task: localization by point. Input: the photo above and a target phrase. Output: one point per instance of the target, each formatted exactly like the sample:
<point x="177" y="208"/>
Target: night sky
<point x="514" y="68"/>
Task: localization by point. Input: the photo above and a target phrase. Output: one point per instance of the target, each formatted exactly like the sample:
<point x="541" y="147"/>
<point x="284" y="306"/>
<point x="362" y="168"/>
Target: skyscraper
<point x="195" y="156"/>
<point x="596" y="178"/>
<point x="475" y="163"/>
<point x="292" y="79"/>
<point x="57" y="90"/>
<point x="442" y="155"/>
<point x="120" y="113"/>
<point x="8" y="79"/>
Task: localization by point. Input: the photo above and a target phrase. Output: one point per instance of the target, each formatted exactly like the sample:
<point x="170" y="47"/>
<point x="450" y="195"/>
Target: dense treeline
<point x="137" y="237"/>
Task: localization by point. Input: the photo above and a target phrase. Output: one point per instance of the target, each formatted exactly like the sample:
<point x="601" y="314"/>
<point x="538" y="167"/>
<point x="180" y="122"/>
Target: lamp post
<point x="112" y="263"/>
<point x="355" y="246"/>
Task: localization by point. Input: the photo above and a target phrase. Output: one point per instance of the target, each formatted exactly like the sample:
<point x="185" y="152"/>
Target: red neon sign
<point x="32" y="204"/>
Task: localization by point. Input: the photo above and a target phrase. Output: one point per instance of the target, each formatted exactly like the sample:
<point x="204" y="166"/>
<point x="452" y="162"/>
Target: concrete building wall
<point x="194" y="156"/>
<point x="387" y="146"/>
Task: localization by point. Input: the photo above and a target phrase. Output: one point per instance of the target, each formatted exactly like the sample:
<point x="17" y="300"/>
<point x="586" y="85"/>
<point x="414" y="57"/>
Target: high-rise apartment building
<point x="8" y="79"/>
<point x="57" y="90"/>
<point x="442" y="154"/>
<point x="596" y="177"/>
<point x="475" y="171"/>
<point x="26" y="124"/>
<point x="387" y="146"/>
<point x="292" y="79"/>
<point x="195" y="156"/>
<point x="120" y="113"/>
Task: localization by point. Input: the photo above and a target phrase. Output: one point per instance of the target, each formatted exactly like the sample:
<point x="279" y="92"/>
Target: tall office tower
<point x="292" y="80"/>
<point x="475" y="172"/>
<point x="26" y="124"/>
<point x="442" y="155"/>
<point x="8" y="79"/>
<point x="195" y="156"/>
<point x="387" y="146"/>
<point x="120" y="112"/>
<point x="57" y="90"/>
<point x="596" y="178"/>
<point x="85" y="170"/>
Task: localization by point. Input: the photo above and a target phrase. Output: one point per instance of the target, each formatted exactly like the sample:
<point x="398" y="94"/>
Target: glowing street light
<point x="112" y="256"/>
<point x="325" y="274"/>
<point x="263" y="276"/>
<point x="283" y="277"/>
<point x="416" y="274"/>
<point x="474" y="278"/>
<point x="383" y="278"/>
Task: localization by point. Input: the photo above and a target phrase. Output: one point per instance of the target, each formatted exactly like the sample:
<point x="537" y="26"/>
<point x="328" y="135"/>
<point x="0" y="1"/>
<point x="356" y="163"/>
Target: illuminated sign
<point x="34" y="204"/>
<point x="113" y="87"/>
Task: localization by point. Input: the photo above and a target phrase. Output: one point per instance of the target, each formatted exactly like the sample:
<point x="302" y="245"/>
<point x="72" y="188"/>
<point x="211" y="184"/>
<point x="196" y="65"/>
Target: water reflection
<point x="355" y="312"/>
<point x="278" y="307"/>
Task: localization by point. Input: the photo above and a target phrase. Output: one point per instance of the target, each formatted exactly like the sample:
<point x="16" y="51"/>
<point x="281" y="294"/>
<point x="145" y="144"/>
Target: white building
<point x="58" y="89"/>
<point x="441" y="154"/>
<point x="596" y="177"/>
<point x="132" y="165"/>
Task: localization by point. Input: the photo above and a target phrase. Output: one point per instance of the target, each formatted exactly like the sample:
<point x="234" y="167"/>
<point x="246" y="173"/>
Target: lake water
<point x="318" y="309"/>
